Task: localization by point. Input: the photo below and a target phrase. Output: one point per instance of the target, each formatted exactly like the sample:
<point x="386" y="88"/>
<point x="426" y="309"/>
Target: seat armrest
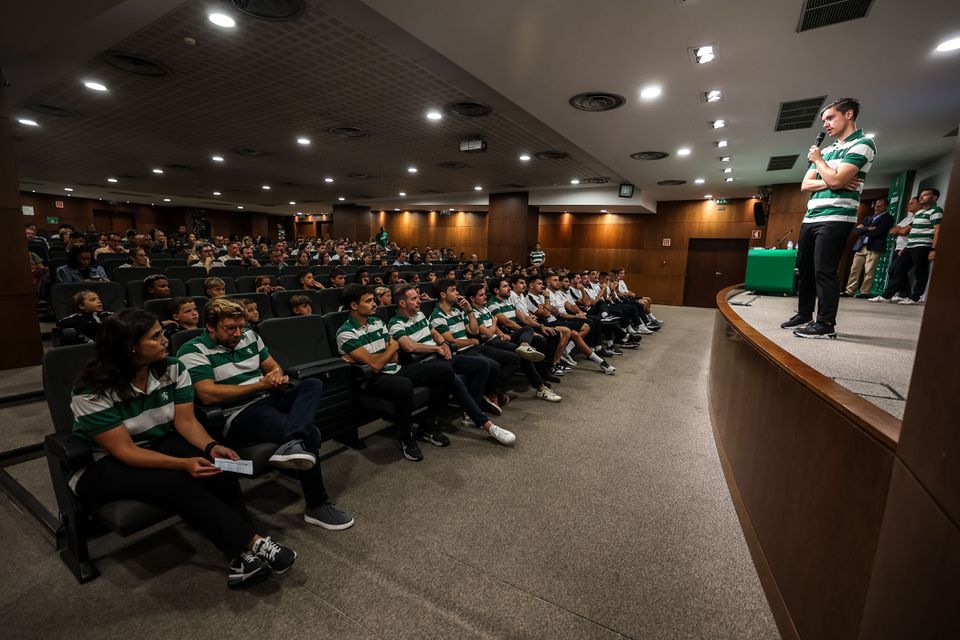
<point x="210" y="416"/>
<point x="316" y="368"/>
<point x="73" y="451"/>
<point x="362" y="372"/>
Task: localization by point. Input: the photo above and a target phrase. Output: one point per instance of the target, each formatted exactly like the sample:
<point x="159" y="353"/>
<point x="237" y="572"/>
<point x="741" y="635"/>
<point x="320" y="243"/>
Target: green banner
<point x="897" y="196"/>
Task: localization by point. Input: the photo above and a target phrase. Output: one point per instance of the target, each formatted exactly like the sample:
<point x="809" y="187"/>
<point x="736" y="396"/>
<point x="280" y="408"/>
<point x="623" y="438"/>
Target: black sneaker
<point x="274" y="554"/>
<point x="816" y="330"/>
<point x="247" y="569"/>
<point x="796" y="321"/>
<point x="410" y="450"/>
<point x="433" y="436"/>
<point x="329" y="515"/>
<point x="844" y="294"/>
<point x="615" y="350"/>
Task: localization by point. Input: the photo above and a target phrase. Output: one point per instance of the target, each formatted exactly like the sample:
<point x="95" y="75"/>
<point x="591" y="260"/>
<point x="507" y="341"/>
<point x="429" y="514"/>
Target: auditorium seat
<point x="195" y="286"/>
<point x="185" y="273"/>
<point x="262" y="300"/>
<point x="123" y="276"/>
<point x="228" y="272"/>
<point x="111" y="294"/>
<point x="280" y="302"/>
<point x="330" y="300"/>
<point x="135" y="291"/>
<point x="160" y="307"/>
<point x="163" y="263"/>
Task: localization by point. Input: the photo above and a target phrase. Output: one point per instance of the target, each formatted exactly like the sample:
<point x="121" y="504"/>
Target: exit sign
<point x="53" y="220"/>
<point x="721" y="201"/>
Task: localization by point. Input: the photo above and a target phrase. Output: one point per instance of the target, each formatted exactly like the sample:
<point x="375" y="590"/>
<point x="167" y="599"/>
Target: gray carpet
<point x="609" y="518"/>
<point x="872" y="355"/>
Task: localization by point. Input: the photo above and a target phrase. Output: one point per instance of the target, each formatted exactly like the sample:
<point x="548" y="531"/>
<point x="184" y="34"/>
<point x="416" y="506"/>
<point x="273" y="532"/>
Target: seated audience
<point x="85" y="321"/>
<point x="135" y="405"/>
<point x="264" y="284"/>
<point x="79" y="267"/>
<point x="138" y="258"/>
<point x="252" y="313"/>
<point x="300" y="305"/>
<point x="156" y="286"/>
<point x="247" y="259"/>
<point x="383" y="296"/>
<point x="338" y="278"/>
<point x="309" y="281"/>
<point x="214" y="287"/>
<point x="114" y="245"/>
<point x="183" y="316"/>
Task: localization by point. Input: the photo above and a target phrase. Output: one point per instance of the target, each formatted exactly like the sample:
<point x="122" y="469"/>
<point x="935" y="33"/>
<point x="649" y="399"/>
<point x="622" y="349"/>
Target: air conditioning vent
<point x="469" y="108"/>
<point x="51" y="110"/>
<point x="798" y="114"/>
<point x="179" y="167"/>
<point x="453" y="164"/>
<point x="552" y="155"/>
<point x="595" y="180"/>
<point x="359" y="176"/>
<point x="597" y="101"/>
<point x="671" y="183"/>
<point x="126" y="193"/>
<point x="249" y="153"/>
<point x="781" y="163"/>
<point x="275" y="10"/>
<point x="649" y="155"/>
<point x="513" y="185"/>
<point x="823" y="13"/>
<point x="134" y="63"/>
<point x="347" y="132"/>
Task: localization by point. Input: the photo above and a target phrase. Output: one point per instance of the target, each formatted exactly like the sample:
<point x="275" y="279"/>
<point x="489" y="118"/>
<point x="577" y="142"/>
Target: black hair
<point x="353" y="293"/>
<point x="173" y="307"/>
<point x="474" y="288"/>
<point x="496" y="282"/>
<point x="843" y="105"/>
<point x="514" y="279"/>
<point x="73" y="257"/>
<point x="149" y="282"/>
<point x="936" y="192"/>
<point x="112" y="369"/>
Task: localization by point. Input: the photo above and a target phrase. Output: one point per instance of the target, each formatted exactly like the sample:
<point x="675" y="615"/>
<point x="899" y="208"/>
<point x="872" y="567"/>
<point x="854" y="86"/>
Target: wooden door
<point x="713" y="264"/>
<point x="118" y="221"/>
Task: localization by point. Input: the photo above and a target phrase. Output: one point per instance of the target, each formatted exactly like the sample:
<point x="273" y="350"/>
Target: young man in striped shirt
<point x="418" y="339"/>
<point x="230" y="367"/>
<point x="364" y="339"/>
<point x="834" y="180"/>
<point x="918" y="253"/>
<point x="523" y="330"/>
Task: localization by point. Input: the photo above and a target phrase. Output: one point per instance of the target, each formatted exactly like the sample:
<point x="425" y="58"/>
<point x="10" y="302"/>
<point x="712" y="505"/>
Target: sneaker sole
<point x="494" y="408"/>
<point x="609" y="372"/>
<point x="557" y="399"/>
<point x="241" y="580"/>
<point x="832" y="336"/>
<point x="436" y="443"/>
<point x="532" y="356"/>
<point x="410" y="457"/>
<point x="327" y="525"/>
<point x="297" y="462"/>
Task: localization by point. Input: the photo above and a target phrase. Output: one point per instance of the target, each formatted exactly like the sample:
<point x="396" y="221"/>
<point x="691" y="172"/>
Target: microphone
<point x="820" y="137"/>
<point x="777" y="246"/>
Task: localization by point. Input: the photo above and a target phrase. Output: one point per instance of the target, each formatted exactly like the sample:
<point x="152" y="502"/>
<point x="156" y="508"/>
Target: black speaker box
<point x="759" y="215"/>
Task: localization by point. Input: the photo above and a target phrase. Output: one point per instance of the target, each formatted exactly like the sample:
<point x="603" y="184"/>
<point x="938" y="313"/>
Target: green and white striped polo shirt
<point x="416" y="328"/>
<point x="499" y="306"/>
<point x="372" y="336"/>
<point x="455" y="323"/>
<point x="841" y="205"/>
<point x="537" y="257"/>
<point x="922" y="227"/>
<point x="484" y="316"/>
<point x="148" y="416"/>
<point x="205" y="359"/>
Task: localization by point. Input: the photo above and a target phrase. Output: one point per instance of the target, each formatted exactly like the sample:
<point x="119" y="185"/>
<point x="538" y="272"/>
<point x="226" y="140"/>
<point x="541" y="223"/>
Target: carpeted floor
<point x="872" y="354"/>
<point x="609" y="518"/>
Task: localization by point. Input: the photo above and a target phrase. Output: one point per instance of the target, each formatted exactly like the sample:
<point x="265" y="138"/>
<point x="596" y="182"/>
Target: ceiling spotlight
<point x="28" y="122"/>
<point x="721" y="144"/>
<point x="683" y="152"/>
<point x="303" y="141"/>
<point x="341" y="198"/>
<point x="709" y="196"/>
<point x="396" y="209"/>
<point x="95" y="86"/>
<point x="724" y="158"/>
<point x="328" y="180"/>
<point x="478" y="188"/>
<point x="265" y="187"/>
<point x="699" y="181"/>
<point x="704" y="54"/>
<point x="729" y="180"/>
<point x="871" y="135"/>
<point x="158" y="171"/>
<point x="411" y="169"/>
<point x="434" y="115"/>
<point x="222" y="20"/>
<point x="292" y="202"/>
<point x="239" y="206"/>
<point x="575" y="181"/>
<point x="650" y="92"/>
<point x="217" y="158"/>
<point x="524" y="158"/>
<point x="402" y="193"/>
<point x="728" y="170"/>
<point x="111" y="179"/>
<point x="718" y="124"/>
<point x="603" y="211"/>
<point x="67" y="189"/>
<point x="949" y="45"/>
<point x="166" y="199"/>
<point x="714" y="95"/>
<point x="216" y="193"/>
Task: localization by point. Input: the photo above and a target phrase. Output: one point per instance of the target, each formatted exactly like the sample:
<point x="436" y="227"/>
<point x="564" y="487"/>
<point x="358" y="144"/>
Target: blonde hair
<point x="221" y="309"/>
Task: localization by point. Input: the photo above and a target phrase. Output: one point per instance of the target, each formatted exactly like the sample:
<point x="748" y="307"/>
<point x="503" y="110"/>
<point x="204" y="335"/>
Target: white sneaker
<point x="568" y="359"/>
<point x="908" y="301"/>
<point x="878" y="299"/>
<point x="529" y="353"/>
<point x="898" y="299"/>
<point x="643" y="330"/>
<point x="607" y="368"/>
<point x="547" y="394"/>
<point x="501" y="435"/>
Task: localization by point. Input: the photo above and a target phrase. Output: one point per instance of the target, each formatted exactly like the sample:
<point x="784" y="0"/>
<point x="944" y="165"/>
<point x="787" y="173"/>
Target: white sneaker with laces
<point x="908" y="301"/>
<point x="898" y="299"/>
<point x="607" y="368"/>
<point x="568" y="359"/>
<point x="501" y="435"/>
<point x="547" y="394"/>
<point x="878" y="299"/>
<point x="643" y="330"/>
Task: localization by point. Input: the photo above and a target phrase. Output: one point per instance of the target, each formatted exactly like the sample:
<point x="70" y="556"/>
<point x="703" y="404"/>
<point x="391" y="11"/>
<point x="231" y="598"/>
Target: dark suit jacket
<point x="875" y="240"/>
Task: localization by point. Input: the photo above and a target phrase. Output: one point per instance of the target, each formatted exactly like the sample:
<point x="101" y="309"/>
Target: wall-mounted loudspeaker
<point x="759" y="215"/>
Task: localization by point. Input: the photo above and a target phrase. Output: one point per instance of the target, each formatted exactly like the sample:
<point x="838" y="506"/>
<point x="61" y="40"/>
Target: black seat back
<point x="334" y="321"/>
<point x="293" y="270"/>
<point x="296" y="340"/>
<point x="163" y="263"/>
<point x="111" y="294"/>
<point x="386" y="311"/>
<point x="280" y="301"/>
<point x="195" y="286"/>
<point x="260" y="271"/>
<point x="181" y="338"/>
<point x="125" y="275"/>
<point x="330" y="300"/>
<point x="135" y="291"/>
<point x="228" y="272"/>
<point x="61" y="368"/>
<point x="289" y="282"/>
<point x="185" y="273"/>
<point x="262" y="300"/>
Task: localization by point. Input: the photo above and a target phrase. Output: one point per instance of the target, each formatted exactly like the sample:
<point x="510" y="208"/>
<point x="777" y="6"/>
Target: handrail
<point x="874" y="421"/>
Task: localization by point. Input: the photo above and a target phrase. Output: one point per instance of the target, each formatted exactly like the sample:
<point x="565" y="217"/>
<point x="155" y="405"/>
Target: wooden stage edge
<point x="808" y="464"/>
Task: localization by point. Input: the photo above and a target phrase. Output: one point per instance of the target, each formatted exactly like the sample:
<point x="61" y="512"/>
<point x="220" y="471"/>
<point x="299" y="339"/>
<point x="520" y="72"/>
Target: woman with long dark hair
<point x="79" y="267"/>
<point x="135" y="406"/>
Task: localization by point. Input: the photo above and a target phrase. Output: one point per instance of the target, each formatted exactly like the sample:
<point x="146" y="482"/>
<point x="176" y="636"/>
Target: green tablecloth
<point x="770" y="270"/>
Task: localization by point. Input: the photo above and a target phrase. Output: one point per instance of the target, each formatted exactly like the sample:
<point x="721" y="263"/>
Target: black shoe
<point x="614" y="350"/>
<point x="410" y="450"/>
<point x="796" y="321"/>
<point x="844" y="294"/>
<point x="247" y="569"/>
<point x="816" y="330"/>
<point x="277" y="556"/>
<point x="551" y="378"/>
<point x="433" y="436"/>
<point x="635" y="338"/>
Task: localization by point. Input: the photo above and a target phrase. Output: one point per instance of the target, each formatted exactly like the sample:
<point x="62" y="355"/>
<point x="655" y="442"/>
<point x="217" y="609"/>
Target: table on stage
<point x="770" y="270"/>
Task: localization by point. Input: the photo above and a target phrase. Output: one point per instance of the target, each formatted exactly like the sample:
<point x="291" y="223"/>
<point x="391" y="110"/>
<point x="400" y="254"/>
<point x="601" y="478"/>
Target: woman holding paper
<point x="135" y="406"/>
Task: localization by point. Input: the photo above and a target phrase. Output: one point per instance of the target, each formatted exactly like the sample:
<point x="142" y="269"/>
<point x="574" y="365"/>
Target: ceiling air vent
<point x="179" y="167"/>
<point x="649" y="155"/>
<point x="595" y="180"/>
<point x="780" y="163"/>
<point x="359" y="176"/>
<point x="798" y="114"/>
<point x="134" y="63"/>
<point x="513" y="185"/>
<point x="249" y="153"/>
<point x="552" y="155"/>
<point x="597" y="101"/>
<point x="469" y="108"/>
<point x="671" y="183"/>
<point x="431" y="191"/>
<point x="823" y="13"/>
<point x="270" y="9"/>
<point x="347" y="132"/>
<point x="453" y="164"/>
<point x="126" y="193"/>
<point x="51" y="110"/>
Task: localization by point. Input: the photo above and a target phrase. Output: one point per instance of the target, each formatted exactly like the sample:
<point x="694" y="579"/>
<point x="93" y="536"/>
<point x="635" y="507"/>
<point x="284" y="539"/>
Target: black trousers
<point x="916" y="258"/>
<point x="212" y="505"/>
<point x="905" y="287"/>
<point x="547" y="345"/>
<point x="821" y="246"/>
<point x="398" y="388"/>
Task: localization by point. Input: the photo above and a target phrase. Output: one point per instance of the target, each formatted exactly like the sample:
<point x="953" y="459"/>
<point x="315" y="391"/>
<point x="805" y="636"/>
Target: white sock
<point x="593" y="356"/>
<point x="570" y="346"/>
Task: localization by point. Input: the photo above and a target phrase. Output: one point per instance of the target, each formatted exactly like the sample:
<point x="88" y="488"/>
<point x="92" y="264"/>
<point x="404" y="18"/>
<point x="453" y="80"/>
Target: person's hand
<point x="550" y="331"/>
<point x="814" y="154"/>
<point x="503" y="336"/>
<point x="220" y="451"/>
<point x="464" y="303"/>
<point x="275" y="378"/>
<point x="859" y="226"/>
<point x="930" y="255"/>
<point x="168" y="323"/>
<point x="853" y="185"/>
<point x="445" y="351"/>
<point x="200" y="467"/>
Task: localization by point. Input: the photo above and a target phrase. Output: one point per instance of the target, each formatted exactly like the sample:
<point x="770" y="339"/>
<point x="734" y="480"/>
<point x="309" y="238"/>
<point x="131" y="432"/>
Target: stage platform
<point x="872" y="355"/>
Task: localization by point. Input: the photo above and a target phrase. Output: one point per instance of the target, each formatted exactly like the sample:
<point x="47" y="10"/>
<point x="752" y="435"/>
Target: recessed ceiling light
<point x="704" y="54"/>
<point x="292" y="202"/>
<point x="714" y="95"/>
<point x="524" y="158"/>
<point x="95" y="86"/>
<point x="166" y="199"/>
<point x="216" y="193"/>
<point x="411" y="169"/>
<point x="217" y="158"/>
<point x="718" y="124"/>
<point x="265" y="187"/>
<point x="328" y="180"/>
<point x="683" y="152"/>
<point x="239" y="206"/>
<point x="396" y="209"/>
<point x="729" y="180"/>
<point x="949" y="45"/>
<point x="871" y="135"/>
<point x="303" y="141"/>
<point x="28" y="122"/>
<point x="158" y="171"/>
<point x="402" y="193"/>
<point x="650" y="92"/>
<point x="603" y="211"/>
<point x="575" y="181"/>
<point x="222" y="20"/>
<point x="699" y="181"/>
<point x="111" y="179"/>
<point x="341" y="198"/>
<point x="721" y="144"/>
<point x="434" y="115"/>
<point x="478" y="188"/>
<point x="724" y="158"/>
<point x="67" y="189"/>
<point x="708" y="196"/>
<point x="728" y="170"/>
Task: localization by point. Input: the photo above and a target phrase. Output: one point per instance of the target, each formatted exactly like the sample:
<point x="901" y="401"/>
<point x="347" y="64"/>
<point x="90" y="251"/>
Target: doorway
<point x="118" y="221"/>
<point x="713" y="264"/>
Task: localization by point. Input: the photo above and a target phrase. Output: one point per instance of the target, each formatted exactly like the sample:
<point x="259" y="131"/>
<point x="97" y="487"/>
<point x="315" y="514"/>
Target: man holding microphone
<point x="834" y="180"/>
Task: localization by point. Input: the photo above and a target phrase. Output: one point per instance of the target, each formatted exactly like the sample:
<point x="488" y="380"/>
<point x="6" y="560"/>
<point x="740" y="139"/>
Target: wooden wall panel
<point x="464" y="231"/>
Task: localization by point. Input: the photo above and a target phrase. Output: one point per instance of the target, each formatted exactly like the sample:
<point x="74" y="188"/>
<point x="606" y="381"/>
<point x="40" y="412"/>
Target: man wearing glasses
<point x="230" y="367"/>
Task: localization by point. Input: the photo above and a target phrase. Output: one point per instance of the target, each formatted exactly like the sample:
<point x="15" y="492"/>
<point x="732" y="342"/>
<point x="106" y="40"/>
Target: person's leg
<point x="807" y="289"/>
<point x="300" y="402"/>
<point x="477" y="370"/>
<point x="398" y="389"/>
<point x="870" y="268"/>
<point x="437" y="375"/>
<point x="502" y="353"/>
<point x="856" y="271"/>
<point x="897" y="280"/>
<point x="921" y="271"/>
<point x="831" y="238"/>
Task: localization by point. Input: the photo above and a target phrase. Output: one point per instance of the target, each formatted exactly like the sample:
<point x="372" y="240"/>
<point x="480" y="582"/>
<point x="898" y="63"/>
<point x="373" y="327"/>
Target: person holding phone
<point x="79" y="267"/>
